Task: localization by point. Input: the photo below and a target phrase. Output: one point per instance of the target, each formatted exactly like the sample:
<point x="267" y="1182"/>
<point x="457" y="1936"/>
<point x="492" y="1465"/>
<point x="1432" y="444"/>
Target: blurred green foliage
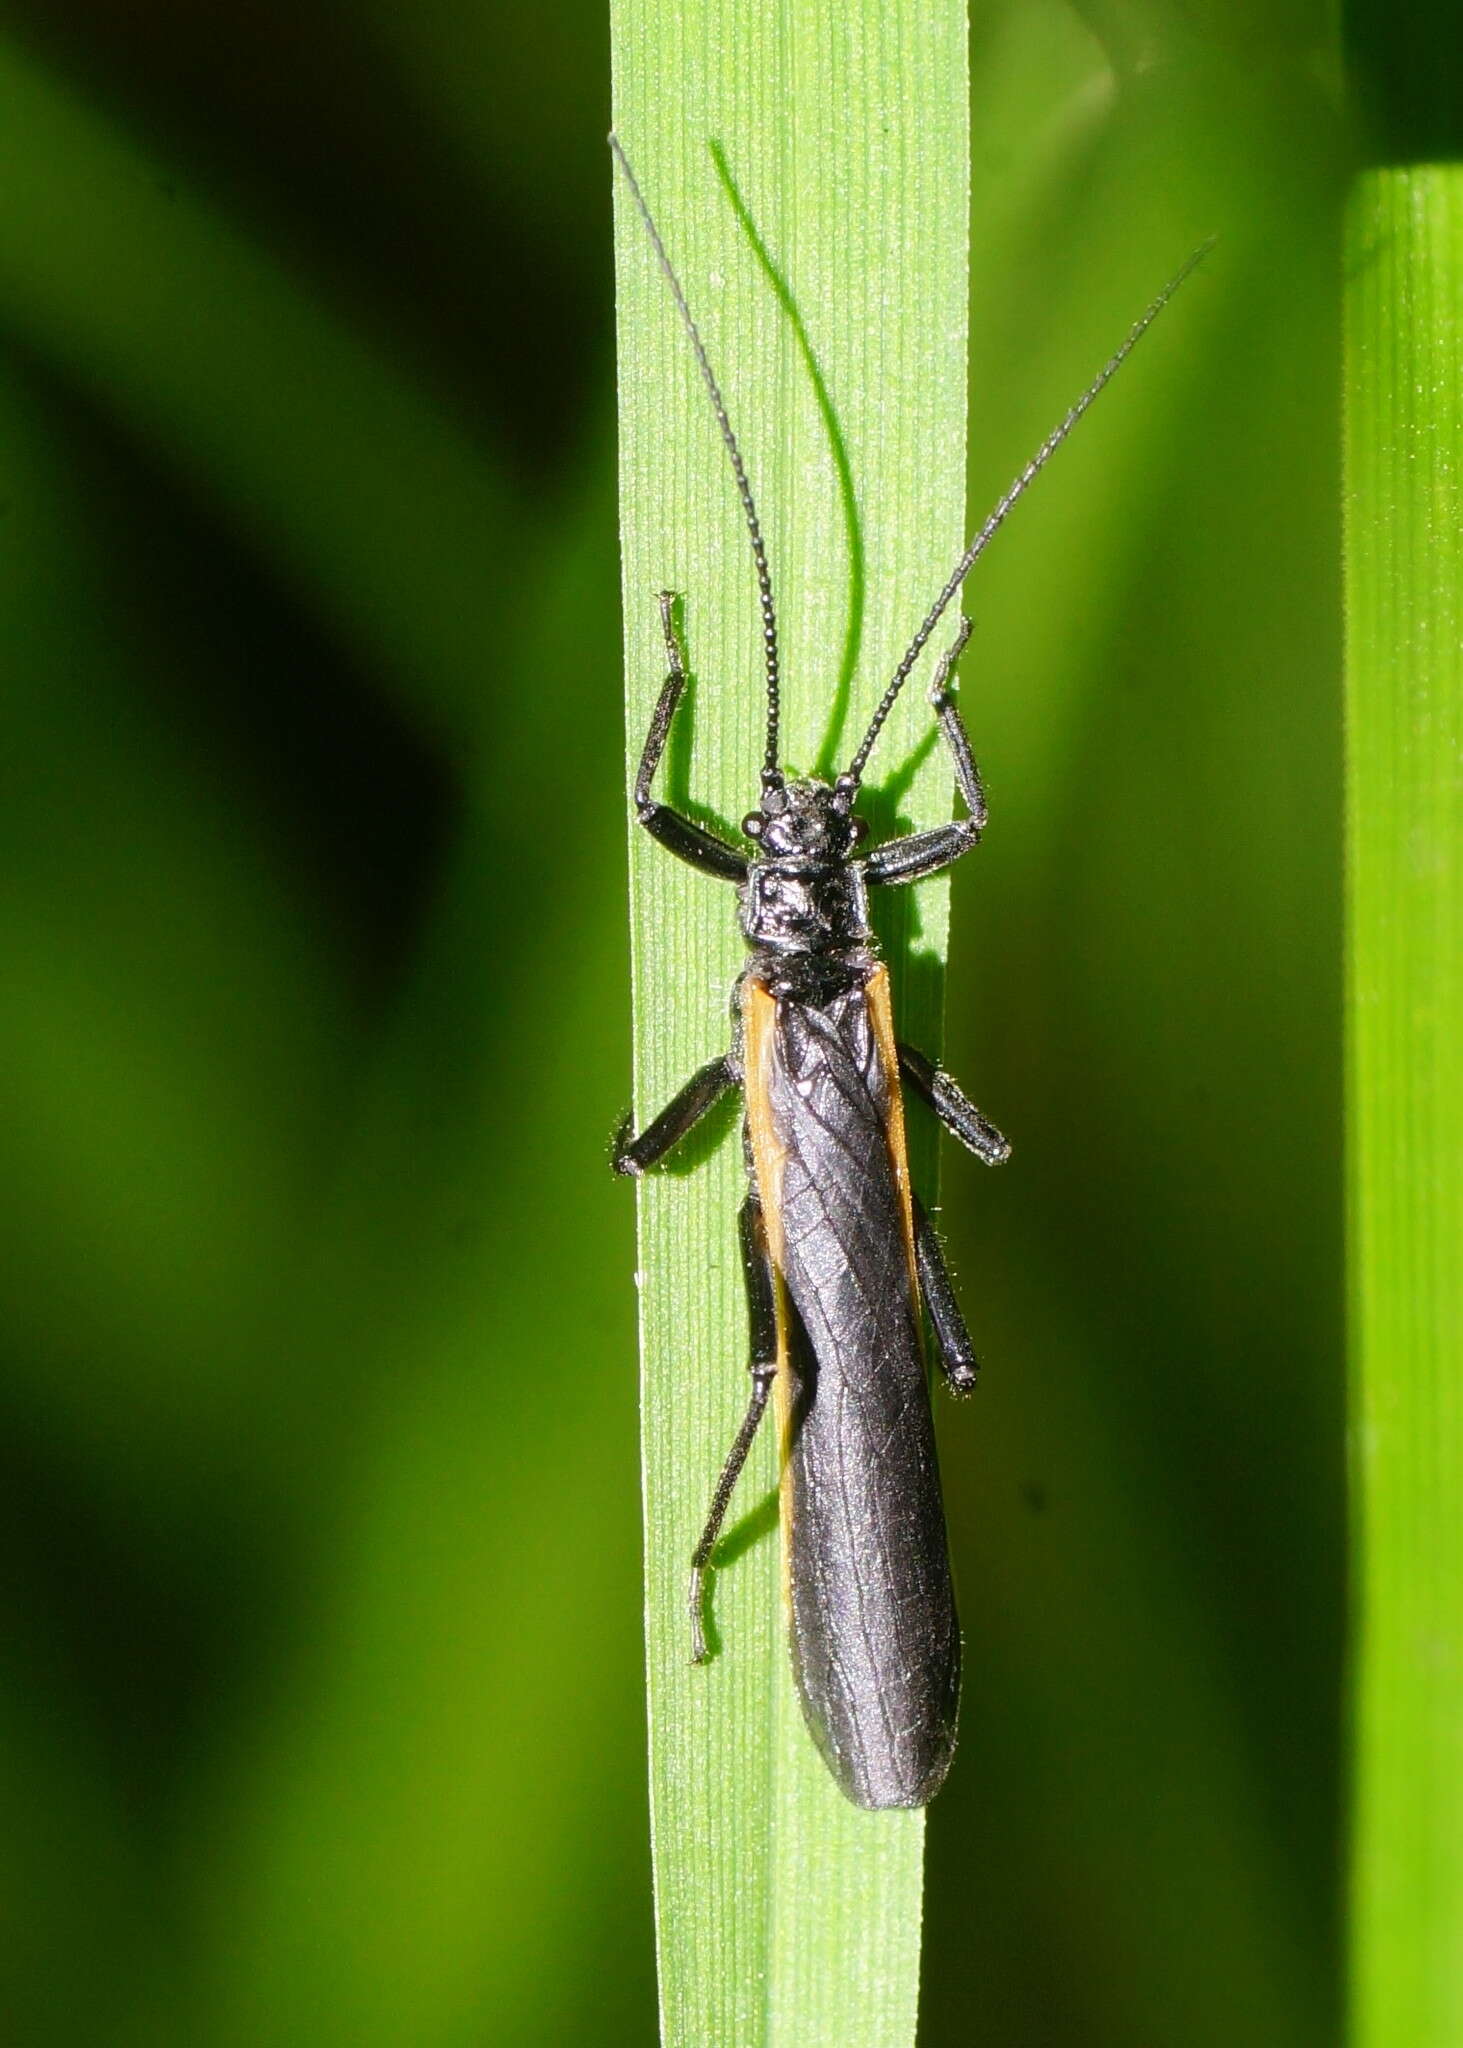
<point x="321" y="1694"/>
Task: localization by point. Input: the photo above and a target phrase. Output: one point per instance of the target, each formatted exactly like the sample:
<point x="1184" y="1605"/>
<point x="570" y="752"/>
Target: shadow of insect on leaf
<point x="753" y="1528"/>
<point x="853" y="631"/>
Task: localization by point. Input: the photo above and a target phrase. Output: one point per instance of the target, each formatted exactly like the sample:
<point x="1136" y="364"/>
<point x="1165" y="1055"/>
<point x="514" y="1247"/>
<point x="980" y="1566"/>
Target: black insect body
<point x="875" y="1641"/>
<point x="842" y="1265"/>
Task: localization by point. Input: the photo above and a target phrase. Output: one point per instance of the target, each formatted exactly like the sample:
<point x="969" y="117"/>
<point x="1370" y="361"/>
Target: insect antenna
<point x="1003" y="505"/>
<point x="770" y="771"/>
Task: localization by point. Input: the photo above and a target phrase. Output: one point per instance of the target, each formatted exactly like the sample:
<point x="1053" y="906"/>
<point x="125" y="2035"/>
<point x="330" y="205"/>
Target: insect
<point x="841" y="1262"/>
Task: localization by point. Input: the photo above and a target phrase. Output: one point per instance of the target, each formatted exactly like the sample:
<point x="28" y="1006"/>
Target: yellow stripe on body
<point x="881" y="1015"/>
<point x="759" y="1022"/>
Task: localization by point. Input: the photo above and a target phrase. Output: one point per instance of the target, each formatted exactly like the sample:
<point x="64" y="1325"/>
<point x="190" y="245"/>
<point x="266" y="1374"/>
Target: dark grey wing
<point x="876" y="1645"/>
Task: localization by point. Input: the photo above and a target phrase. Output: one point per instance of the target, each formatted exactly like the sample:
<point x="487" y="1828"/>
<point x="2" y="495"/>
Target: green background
<point x="321" y="1700"/>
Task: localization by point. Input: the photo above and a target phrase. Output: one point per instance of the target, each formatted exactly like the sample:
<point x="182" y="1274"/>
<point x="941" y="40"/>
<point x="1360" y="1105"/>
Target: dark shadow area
<point x="753" y="1528"/>
<point x="758" y="1522"/>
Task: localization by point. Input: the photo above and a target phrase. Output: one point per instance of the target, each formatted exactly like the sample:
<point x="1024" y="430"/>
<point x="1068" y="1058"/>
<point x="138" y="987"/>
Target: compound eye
<point x="752" y="825"/>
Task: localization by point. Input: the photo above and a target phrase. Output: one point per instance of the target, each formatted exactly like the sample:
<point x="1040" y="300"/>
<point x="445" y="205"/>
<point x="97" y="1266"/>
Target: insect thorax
<point x="804" y="903"/>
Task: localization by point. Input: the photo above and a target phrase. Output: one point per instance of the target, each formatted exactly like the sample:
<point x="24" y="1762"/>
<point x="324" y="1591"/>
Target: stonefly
<point x="842" y="1264"/>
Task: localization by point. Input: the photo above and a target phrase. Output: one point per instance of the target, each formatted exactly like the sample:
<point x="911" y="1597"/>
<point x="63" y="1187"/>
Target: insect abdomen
<point x="875" y="1642"/>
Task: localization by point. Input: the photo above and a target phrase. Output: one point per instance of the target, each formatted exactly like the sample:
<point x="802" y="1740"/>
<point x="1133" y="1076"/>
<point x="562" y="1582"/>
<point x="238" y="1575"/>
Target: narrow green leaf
<point x="1405" y="701"/>
<point x="784" y="1915"/>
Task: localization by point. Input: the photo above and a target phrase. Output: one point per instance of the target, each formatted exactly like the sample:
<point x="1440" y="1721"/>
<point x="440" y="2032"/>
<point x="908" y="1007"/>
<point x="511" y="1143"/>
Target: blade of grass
<point x="784" y="1915"/>
<point x="1404" y="421"/>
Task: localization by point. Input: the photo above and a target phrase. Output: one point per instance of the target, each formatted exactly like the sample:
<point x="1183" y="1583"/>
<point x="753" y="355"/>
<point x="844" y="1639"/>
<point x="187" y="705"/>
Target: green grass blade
<point x="784" y="1916"/>
<point x="1405" y="702"/>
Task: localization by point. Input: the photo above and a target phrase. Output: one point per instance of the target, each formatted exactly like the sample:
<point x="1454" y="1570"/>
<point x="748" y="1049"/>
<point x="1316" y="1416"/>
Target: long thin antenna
<point x="744" y="489"/>
<point x="997" y="517"/>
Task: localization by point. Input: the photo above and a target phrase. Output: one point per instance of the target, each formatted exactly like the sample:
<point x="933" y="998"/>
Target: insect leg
<point x="920" y="854"/>
<point x="762" y="1318"/>
<point x="953" y="1107"/>
<point x="953" y="1348"/>
<point x="686" y="839"/>
<point x="952" y="725"/>
<point x="634" y="1156"/>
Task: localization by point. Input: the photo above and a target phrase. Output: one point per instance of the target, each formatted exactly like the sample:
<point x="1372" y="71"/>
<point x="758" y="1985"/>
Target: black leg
<point x="686" y="839"/>
<point x="920" y="854"/>
<point x="954" y="1107"/>
<point x="942" y="696"/>
<point x="762" y="1319"/>
<point x="953" y="1348"/>
<point x="681" y="1114"/>
<point x="665" y="704"/>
